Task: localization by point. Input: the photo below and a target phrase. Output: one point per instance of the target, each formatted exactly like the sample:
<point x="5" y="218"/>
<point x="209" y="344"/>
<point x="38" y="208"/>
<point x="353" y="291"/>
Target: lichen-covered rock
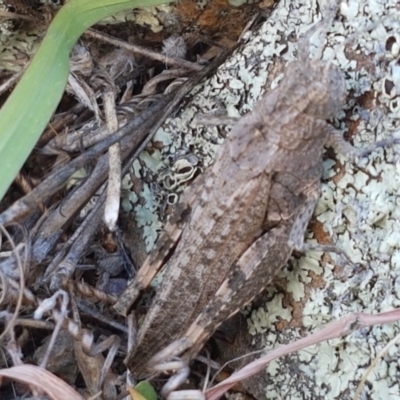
<point x="359" y="206"/>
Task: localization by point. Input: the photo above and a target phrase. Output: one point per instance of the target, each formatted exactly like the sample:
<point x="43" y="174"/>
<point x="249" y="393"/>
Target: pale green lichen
<point x="263" y="318"/>
<point x="146" y="216"/>
<point x="152" y="162"/>
<point x="146" y="17"/>
<point x="163" y="137"/>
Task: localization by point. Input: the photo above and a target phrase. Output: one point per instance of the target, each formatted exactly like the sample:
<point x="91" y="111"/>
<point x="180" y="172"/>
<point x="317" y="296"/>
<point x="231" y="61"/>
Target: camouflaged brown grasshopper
<point x="239" y="222"/>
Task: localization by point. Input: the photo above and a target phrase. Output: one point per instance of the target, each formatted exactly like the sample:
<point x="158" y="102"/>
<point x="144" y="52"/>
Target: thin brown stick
<point x="174" y="62"/>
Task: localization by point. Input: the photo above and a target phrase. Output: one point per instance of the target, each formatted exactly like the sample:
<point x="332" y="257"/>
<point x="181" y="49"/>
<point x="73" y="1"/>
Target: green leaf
<point x="146" y="390"/>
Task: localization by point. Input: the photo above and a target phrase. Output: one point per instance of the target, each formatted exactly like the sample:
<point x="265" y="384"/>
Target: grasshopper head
<point x="317" y="88"/>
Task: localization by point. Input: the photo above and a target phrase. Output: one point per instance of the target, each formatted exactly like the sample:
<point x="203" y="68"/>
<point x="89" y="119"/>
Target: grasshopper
<point x="238" y="224"/>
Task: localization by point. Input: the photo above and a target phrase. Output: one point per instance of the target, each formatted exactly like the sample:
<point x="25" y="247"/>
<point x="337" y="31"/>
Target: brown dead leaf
<point x="54" y="387"/>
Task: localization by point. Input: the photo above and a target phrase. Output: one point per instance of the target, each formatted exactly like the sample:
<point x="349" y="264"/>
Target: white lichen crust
<point x="359" y="205"/>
